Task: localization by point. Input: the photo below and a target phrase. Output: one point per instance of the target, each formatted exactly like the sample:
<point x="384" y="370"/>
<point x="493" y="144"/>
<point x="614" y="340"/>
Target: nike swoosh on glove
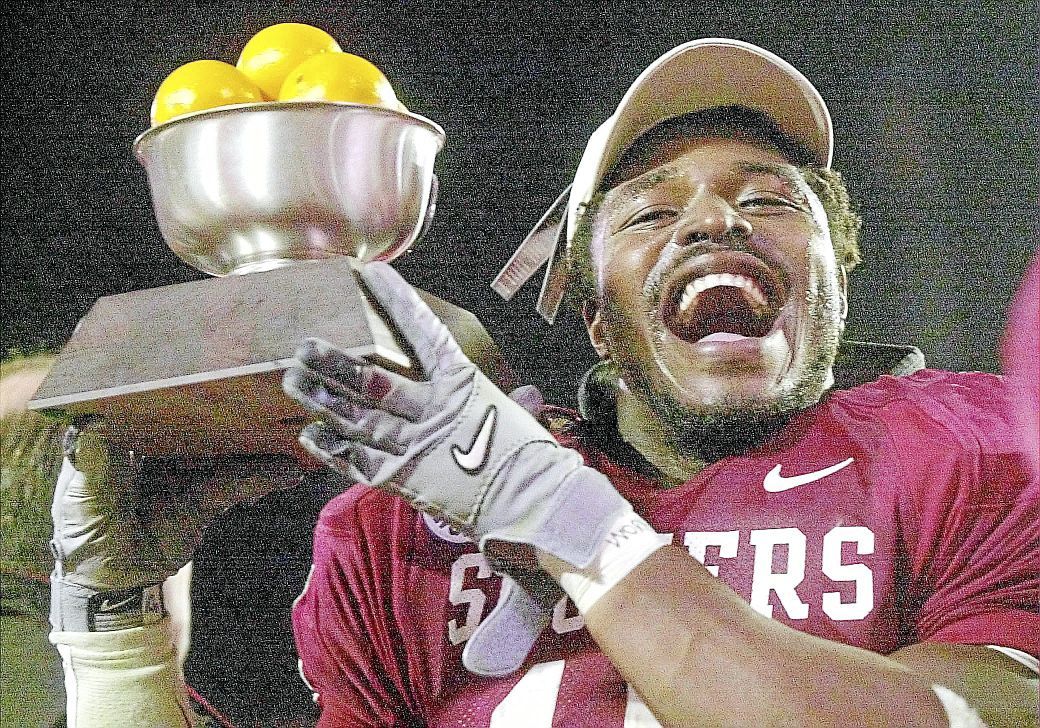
<point x="455" y="446"/>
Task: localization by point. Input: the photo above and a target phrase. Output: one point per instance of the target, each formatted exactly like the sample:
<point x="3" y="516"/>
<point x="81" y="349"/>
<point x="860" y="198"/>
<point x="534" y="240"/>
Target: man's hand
<point x="121" y="526"/>
<point x="454" y="446"/>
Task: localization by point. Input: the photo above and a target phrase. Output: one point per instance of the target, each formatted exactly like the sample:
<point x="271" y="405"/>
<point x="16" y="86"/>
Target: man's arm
<point x="699" y="655"/>
<point x="124" y="677"/>
<point x="119" y="531"/>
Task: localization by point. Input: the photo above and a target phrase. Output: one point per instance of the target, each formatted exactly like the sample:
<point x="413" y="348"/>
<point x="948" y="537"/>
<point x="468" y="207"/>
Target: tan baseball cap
<point x="696" y="76"/>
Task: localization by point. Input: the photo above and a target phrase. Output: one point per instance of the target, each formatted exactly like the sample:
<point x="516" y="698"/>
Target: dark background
<point x="934" y="107"/>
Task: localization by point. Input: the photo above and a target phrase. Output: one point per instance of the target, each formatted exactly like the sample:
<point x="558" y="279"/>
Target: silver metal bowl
<point x="256" y="186"/>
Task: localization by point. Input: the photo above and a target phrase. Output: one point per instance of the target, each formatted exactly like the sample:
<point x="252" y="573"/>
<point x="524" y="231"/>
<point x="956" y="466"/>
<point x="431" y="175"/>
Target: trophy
<point x="279" y="202"/>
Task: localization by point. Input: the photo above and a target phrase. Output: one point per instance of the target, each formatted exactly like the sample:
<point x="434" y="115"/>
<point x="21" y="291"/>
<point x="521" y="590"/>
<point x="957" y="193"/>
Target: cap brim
<point x="700" y="75"/>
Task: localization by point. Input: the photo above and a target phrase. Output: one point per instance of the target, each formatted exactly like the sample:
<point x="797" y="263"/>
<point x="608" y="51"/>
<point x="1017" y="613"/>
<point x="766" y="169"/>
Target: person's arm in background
<point x="120" y="530"/>
<point x="1020" y="357"/>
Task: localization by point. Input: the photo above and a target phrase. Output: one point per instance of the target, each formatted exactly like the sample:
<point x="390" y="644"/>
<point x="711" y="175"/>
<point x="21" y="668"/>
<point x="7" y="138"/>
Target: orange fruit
<point x="339" y="77"/>
<point x="201" y="85"/>
<point x="275" y="51"/>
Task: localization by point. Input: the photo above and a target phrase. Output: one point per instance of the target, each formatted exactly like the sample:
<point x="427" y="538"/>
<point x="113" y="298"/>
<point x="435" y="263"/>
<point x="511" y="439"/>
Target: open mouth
<point x="725" y="300"/>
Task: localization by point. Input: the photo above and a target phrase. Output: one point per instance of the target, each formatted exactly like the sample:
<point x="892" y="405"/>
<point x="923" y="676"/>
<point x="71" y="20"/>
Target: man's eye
<point x="767" y="203"/>
<point x="650" y="218"/>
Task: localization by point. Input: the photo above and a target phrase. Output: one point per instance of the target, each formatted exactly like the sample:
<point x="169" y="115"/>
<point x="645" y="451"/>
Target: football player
<point x="740" y="542"/>
<point x="732" y="534"/>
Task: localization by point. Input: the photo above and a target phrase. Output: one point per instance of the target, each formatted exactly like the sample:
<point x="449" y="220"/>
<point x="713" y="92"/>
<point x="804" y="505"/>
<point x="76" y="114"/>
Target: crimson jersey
<point x="892" y="513"/>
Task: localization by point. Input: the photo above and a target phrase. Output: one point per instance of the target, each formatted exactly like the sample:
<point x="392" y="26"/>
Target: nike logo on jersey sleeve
<point x="475" y="458"/>
<point x="774" y="482"/>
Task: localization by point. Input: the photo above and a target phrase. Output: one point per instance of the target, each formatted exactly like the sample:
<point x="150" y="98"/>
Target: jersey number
<point x="532" y="701"/>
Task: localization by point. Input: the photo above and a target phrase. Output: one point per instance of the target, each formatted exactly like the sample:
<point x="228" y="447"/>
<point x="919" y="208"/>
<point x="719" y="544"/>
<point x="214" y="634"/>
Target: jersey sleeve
<point x="972" y="523"/>
<point x="343" y="635"/>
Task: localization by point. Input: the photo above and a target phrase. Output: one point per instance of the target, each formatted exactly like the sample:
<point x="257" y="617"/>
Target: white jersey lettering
<point x="698" y="542"/>
<point x="784" y="583"/>
<point x="473" y="598"/>
<point x="786" y="547"/>
<point x="637" y="715"/>
<point x="861" y="574"/>
<point x="532" y="701"/>
<point x="561" y="623"/>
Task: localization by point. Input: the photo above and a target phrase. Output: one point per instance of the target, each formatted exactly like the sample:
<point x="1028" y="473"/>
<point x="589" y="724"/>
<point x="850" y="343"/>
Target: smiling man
<point x="861" y="555"/>
<point x="716" y="290"/>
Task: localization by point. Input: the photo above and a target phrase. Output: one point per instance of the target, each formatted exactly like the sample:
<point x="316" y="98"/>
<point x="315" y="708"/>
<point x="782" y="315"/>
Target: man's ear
<point x="594" y="324"/>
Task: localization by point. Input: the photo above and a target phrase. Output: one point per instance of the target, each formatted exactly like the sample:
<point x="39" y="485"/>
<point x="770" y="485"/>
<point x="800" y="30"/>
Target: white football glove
<point x="121" y="527"/>
<point x="455" y="446"/>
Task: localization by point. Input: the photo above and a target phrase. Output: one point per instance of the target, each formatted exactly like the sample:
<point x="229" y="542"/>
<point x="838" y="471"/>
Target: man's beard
<point x="735" y="425"/>
<point x="712" y="433"/>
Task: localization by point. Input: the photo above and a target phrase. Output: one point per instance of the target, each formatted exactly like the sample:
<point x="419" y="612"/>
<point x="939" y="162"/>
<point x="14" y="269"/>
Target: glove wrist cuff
<point x="630" y="541"/>
<point x="76" y="608"/>
<point x="577" y="517"/>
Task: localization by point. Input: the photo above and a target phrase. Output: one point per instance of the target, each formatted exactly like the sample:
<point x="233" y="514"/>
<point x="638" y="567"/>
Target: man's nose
<point x="709" y="218"/>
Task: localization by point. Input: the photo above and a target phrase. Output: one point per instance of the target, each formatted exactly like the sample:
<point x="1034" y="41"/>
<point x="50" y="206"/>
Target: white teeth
<point x="697" y="286"/>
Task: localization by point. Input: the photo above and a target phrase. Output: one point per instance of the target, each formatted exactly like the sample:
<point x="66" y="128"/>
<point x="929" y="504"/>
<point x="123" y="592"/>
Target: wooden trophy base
<point x="196" y="368"/>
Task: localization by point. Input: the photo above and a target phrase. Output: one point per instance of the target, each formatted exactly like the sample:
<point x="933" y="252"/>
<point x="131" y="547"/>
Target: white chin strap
<point x="546" y="243"/>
